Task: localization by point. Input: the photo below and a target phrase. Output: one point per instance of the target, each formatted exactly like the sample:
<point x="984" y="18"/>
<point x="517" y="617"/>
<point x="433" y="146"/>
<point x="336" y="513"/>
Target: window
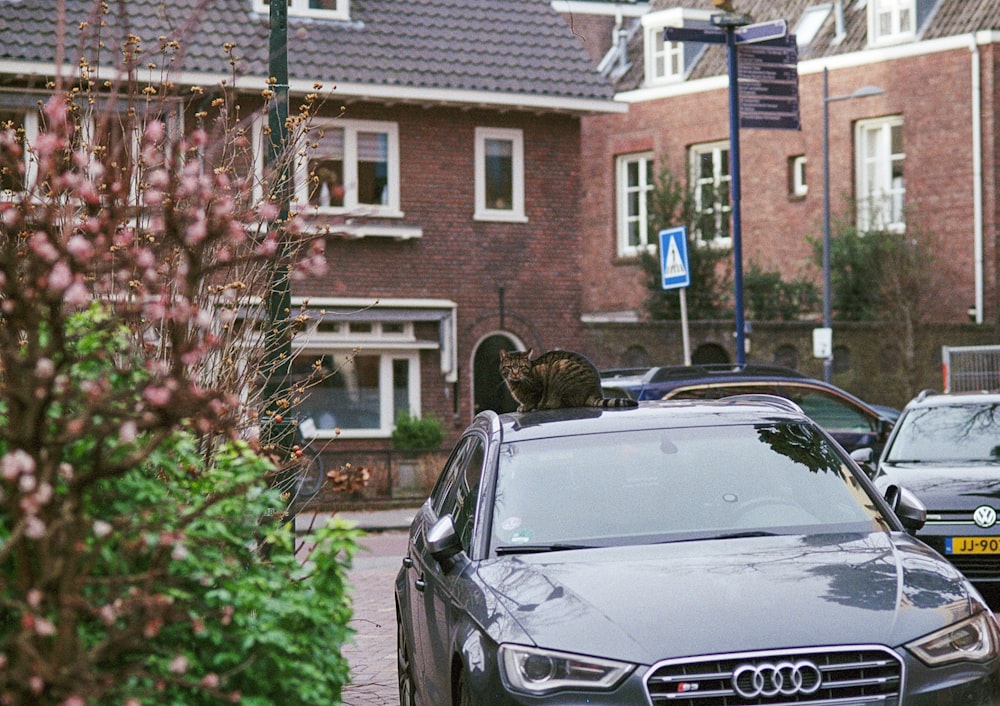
<point x="891" y="21"/>
<point x="711" y="178"/>
<point x="359" y="394"/>
<point x="810" y="23"/>
<point x="797" y="185"/>
<point x="350" y="166"/>
<point x="328" y="9"/>
<point x="499" y="155"/>
<point x="634" y="180"/>
<point x="664" y="59"/>
<point x="14" y="178"/>
<point x="881" y="189"/>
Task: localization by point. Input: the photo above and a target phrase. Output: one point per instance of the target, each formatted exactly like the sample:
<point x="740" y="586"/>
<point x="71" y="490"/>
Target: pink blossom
<point x="155" y="131"/>
<point x="74" y="701"/>
<point x="196" y="231"/>
<point x="211" y="681"/>
<point x="178" y="665"/>
<point x="157" y="395"/>
<point x="45" y="369"/>
<point x="34" y="528"/>
<point x="60" y="277"/>
<point x="128" y="431"/>
<point x="76" y="294"/>
<point x="43" y="248"/>
<point x="102" y="528"/>
<point x="16" y="462"/>
<point x="80" y="248"/>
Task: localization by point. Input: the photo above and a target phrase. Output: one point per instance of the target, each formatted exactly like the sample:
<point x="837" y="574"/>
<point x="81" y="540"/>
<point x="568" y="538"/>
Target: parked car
<point x="683" y="552"/>
<point x="946" y="449"/>
<point x="853" y="422"/>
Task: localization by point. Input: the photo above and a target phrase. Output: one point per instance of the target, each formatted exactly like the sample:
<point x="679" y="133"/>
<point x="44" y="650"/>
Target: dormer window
<point x="320" y="9"/>
<point x="666" y="61"/>
<point x="891" y="21"/>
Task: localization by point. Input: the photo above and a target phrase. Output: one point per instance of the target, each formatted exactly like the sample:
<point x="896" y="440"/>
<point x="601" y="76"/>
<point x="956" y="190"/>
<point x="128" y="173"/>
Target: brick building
<point x="920" y="157"/>
<point x="444" y="171"/>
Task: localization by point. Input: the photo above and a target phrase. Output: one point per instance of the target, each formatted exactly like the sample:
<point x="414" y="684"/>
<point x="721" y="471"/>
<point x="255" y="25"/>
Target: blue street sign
<point x="761" y="32"/>
<point x="674" y="258"/>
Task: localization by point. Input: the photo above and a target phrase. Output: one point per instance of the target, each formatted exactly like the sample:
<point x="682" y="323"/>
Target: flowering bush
<point x="131" y="497"/>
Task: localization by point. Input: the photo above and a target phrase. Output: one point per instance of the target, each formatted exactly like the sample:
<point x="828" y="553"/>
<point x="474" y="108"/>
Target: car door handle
<point x="420" y="584"/>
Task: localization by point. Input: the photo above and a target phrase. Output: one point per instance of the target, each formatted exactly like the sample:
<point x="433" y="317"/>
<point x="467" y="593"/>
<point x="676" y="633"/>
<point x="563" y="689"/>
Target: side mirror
<point x="863" y="457"/>
<point x="444" y="544"/>
<point x="907" y="506"/>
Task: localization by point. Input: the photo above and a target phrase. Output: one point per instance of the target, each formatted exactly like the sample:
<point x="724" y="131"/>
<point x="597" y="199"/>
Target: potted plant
<point x="412" y="437"/>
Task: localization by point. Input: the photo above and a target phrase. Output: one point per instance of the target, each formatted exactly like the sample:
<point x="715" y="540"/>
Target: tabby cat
<point x="553" y="380"/>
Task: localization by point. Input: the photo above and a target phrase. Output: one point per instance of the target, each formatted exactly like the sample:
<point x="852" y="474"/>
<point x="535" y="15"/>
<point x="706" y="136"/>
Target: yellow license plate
<point x="972" y="545"/>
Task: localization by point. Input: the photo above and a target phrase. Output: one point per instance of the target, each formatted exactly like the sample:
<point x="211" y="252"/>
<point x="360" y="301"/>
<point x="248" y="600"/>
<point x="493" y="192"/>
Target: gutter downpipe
<point x="977" y="176"/>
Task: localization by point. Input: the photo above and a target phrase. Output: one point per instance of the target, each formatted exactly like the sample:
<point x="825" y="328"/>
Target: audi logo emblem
<point x="769" y="679"/>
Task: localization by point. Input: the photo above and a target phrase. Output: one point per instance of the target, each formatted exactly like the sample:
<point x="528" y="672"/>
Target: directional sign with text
<point x="674" y="258"/>
<point x="768" y="79"/>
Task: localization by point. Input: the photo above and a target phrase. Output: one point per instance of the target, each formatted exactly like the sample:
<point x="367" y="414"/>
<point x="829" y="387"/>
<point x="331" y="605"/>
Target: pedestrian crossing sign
<point x="674" y="258"/>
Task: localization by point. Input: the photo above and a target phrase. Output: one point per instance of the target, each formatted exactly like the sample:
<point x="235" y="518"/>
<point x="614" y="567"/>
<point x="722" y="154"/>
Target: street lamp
<point x="862" y="92"/>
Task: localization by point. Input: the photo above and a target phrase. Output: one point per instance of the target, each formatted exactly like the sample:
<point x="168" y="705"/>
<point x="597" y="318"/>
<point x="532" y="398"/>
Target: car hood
<point x="646" y="603"/>
<point x="946" y="486"/>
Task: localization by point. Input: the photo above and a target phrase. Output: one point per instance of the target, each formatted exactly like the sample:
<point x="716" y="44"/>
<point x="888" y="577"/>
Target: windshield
<point x="968" y="432"/>
<point x="674" y="484"/>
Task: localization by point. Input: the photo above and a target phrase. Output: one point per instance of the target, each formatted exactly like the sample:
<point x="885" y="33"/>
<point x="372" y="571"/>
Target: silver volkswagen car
<point x="698" y="553"/>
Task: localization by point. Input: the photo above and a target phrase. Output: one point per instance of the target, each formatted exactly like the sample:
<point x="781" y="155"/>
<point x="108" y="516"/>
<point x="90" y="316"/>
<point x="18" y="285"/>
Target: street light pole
<point x="827" y="287"/>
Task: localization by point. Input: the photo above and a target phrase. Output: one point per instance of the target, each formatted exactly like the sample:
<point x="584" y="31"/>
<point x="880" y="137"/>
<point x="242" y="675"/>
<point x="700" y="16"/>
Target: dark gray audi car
<point x="684" y="552"/>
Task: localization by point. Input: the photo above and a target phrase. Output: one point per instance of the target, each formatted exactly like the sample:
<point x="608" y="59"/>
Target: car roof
<point x="932" y="398"/>
<point x="668" y="373"/>
<point x="654" y="414"/>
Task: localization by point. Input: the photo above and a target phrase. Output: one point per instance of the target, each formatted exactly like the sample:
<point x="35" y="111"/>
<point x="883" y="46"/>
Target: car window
<point x="444" y="487"/>
<point x="831" y="412"/>
<point x="458" y="488"/>
<point x="675" y="482"/>
<point x="948" y="433"/>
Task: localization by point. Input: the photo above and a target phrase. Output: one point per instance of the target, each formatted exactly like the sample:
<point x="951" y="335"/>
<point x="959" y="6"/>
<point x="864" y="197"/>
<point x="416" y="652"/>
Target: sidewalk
<point x="389" y="520"/>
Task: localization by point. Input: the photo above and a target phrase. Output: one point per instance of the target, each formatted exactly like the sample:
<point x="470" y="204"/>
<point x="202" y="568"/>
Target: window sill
<point x="500" y="217"/>
<point x="356" y="231"/>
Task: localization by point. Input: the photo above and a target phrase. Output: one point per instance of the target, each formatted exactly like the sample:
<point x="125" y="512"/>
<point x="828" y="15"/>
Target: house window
<point x="881" y="188"/>
<point x="711" y="178"/>
<point x="350" y="166"/>
<point x="797" y="185"/>
<point x="891" y="21"/>
<point x="810" y="23"/>
<point x="356" y="394"/>
<point x="499" y="164"/>
<point x="634" y="180"/>
<point x="324" y="9"/>
<point x="15" y="178"/>
<point x="664" y="59"/>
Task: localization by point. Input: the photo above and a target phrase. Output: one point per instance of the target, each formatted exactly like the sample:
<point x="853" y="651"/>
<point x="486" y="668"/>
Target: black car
<point x="683" y="552"/>
<point x="946" y="449"/>
<point x="855" y="424"/>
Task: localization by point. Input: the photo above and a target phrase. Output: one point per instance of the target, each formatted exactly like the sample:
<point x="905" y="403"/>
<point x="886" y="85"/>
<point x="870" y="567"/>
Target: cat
<point x="554" y="380"/>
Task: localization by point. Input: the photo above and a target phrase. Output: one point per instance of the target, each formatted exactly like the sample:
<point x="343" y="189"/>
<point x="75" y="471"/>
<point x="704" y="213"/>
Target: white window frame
<point x="719" y="209"/>
<point x="797" y="166"/>
<point x="642" y="190"/>
<point x="881" y="196"/>
<point x="351" y="128"/>
<point x="30" y="124"/>
<point x="300" y="8"/>
<point x="894" y="13"/>
<point x="483" y="212"/>
<point x="664" y="59"/>
<point x="387" y="406"/>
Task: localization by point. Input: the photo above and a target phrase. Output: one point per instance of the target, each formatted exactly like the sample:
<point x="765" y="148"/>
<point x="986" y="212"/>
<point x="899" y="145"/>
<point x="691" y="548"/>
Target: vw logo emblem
<point x="769" y="679"/>
<point x="985" y="516"/>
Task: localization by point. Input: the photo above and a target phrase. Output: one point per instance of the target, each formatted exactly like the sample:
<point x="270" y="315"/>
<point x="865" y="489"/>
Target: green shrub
<point x="414" y="433"/>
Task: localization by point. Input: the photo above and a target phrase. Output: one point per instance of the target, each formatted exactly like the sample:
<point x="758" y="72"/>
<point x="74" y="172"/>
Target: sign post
<point x="734" y="30"/>
<point x="676" y="274"/>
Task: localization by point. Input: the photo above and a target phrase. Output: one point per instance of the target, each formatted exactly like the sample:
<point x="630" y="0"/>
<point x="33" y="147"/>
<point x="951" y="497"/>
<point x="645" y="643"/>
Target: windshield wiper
<point x="538" y="548"/>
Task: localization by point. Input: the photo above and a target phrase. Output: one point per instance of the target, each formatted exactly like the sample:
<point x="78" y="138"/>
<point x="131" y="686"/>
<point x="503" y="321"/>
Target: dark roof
<point x="936" y="18"/>
<point x="432" y="47"/>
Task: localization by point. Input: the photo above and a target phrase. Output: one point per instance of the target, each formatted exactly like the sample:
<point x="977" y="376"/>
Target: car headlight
<point x="974" y="639"/>
<point x="538" y="671"/>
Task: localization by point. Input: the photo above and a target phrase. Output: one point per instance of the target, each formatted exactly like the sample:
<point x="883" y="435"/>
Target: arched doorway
<point x="710" y="354"/>
<point x="488" y="389"/>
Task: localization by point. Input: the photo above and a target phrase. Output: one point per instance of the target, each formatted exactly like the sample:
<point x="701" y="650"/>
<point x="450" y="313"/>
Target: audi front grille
<point x="852" y="676"/>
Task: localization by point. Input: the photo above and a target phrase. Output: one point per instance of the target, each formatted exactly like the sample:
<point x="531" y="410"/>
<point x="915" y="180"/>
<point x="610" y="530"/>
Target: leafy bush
<point x="414" y="433"/>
